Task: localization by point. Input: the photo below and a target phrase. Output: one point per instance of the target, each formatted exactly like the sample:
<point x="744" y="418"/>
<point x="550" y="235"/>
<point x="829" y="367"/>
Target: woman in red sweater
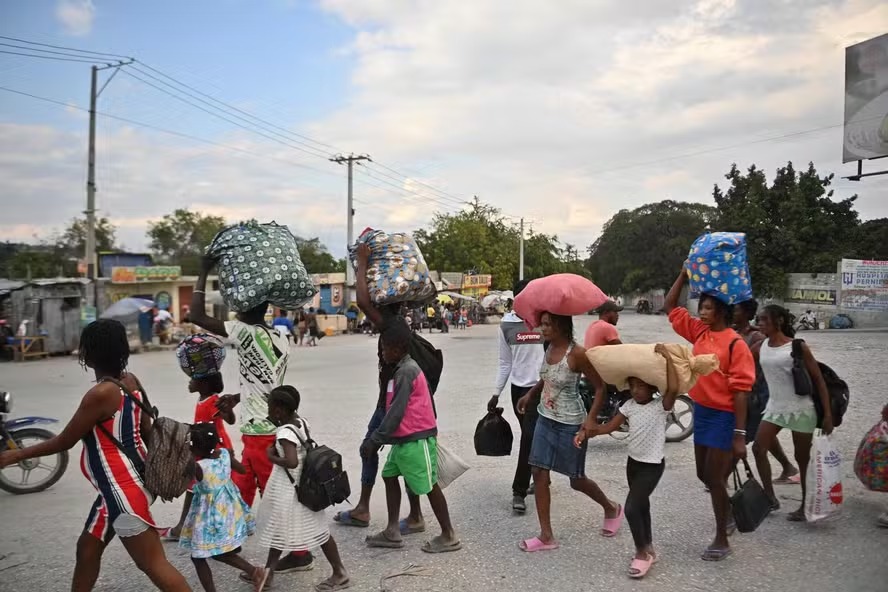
<point x="719" y="401"/>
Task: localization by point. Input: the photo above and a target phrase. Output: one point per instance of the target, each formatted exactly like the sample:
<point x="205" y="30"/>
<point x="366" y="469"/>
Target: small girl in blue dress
<point x="219" y="520"/>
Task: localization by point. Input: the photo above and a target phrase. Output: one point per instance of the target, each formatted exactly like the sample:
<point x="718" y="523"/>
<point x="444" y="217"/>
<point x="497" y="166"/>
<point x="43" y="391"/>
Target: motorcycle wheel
<point x="680" y="421"/>
<point x="48" y="469"/>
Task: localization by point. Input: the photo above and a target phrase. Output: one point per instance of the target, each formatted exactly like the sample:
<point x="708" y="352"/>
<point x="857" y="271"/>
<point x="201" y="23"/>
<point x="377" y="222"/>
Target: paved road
<point x="337" y="383"/>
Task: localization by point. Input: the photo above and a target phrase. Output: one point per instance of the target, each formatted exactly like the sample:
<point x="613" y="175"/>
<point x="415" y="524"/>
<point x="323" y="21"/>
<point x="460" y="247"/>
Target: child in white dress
<point x="284" y="523"/>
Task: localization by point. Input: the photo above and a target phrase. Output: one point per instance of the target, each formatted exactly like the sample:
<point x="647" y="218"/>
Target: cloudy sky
<point x="562" y="112"/>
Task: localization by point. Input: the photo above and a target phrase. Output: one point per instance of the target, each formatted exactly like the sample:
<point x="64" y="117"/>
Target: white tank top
<point x="776" y="363"/>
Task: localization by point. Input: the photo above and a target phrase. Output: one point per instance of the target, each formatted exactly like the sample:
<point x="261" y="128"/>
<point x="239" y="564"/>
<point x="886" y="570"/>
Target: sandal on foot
<point x="438" y="545"/>
<point x="716" y="554"/>
<point x="406" y="528"/>
<point x="382" y="541"/>
<point x="640" y="567"/>
<point x="535" y="544"/>
<point x="345" y="518"/>
<point x="791" y="480"/>
<point x="882" y="520"/>
<point x="612" y="525"/>
<point x="797" y="516"/>
<point x="328" y="586"/>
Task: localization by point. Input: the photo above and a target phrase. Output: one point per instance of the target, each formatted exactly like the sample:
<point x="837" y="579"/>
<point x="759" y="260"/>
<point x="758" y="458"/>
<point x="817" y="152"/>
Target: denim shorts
<point x="553" y="448"/>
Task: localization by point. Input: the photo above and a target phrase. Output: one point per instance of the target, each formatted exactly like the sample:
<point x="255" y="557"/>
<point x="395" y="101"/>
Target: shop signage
<point x="139" y="274"/>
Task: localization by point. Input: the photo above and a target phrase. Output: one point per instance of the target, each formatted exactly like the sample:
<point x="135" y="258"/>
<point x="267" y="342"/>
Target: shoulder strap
<point x="797" y="353"/>
<point x="143" y="405"/>
<point x="731" y="350"/>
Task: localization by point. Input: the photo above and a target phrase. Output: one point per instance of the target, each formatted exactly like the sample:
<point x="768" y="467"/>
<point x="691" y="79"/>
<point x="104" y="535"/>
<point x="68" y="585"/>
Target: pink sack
<point x="562" y="294"/>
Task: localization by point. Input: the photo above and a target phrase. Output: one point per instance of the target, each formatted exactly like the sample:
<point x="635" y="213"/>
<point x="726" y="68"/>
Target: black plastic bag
<point x="493" y="436"/>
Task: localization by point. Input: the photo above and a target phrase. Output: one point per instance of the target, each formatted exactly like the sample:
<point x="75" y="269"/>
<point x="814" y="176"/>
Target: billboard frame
<point x="858" y="70"/>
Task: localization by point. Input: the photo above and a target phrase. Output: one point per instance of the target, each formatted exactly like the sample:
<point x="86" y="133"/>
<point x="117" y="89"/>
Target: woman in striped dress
<point x="122" y="504"/>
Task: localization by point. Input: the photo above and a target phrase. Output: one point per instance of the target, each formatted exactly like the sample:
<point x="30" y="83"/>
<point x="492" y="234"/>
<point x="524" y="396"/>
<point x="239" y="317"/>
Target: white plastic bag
<point x="824" y="480"/>
<point x="450" y="466"/>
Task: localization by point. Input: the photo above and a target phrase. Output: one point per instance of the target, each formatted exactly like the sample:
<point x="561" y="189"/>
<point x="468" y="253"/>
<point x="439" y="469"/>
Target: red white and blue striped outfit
<point x="113" y="474"/>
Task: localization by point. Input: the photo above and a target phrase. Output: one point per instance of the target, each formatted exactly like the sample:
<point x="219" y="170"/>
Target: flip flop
<point x="713" y="554"/>
<point x="326" y="586"/>
<point x="792" y="480"/>
<point x="262" y="585"/>
<point x="249" y="580"/>
<point x="380" y="540"/>
<point x="345" y="518"/>
<point x="882" y="520"/>
<point x="407" y="529"/>
<point x="535" y="544"/>
<point x="437" y="546"/>
<point x="640" y="567"/>
<point x="612" y="525"/>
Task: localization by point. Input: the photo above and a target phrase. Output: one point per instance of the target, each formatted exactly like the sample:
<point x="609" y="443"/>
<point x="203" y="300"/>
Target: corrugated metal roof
<point x="7" y="286"/>
<point x="55" y="281"/>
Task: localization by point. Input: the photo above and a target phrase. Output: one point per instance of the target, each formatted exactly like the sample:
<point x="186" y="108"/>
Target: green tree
<point x="181" y="238"/>
<point x="480" y="239"/>
<point x="793" y="225"/>
<point x="317" y="258"/>
<point x="872" y="240"/>
<point x="644" y="248"/>
<point x="72" y="242"/>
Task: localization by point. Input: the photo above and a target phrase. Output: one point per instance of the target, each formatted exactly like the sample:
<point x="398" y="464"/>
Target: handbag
<point x="801" y="378"/>
<point x="750" y="504"/>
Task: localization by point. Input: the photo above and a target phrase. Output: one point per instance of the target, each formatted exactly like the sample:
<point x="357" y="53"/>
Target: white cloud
<point x="76" y="16"/>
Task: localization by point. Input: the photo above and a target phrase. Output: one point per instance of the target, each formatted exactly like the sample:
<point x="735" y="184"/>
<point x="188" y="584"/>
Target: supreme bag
<point x="562" y="294"/>
<point x="871" y="460"/>
<point x="717" y="266"/>
<point x="323" y="482"/>
<point x="493" y="436"/>
<point x="749" y="504"/>
<point x="450" y="466"/>
<point x="824" y="480"/>
<point x="169" y="467"/>
<point x="260" y="263"/>
<point x="839" y="393"/>
<point x="397" y="271"/>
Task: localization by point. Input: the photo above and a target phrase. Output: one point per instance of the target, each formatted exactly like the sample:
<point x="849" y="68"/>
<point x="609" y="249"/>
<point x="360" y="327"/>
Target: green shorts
<point x="417" y="462"/>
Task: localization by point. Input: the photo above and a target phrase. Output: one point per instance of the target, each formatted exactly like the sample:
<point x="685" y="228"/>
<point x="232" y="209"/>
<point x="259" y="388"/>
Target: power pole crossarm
<point x="350" y="160"/>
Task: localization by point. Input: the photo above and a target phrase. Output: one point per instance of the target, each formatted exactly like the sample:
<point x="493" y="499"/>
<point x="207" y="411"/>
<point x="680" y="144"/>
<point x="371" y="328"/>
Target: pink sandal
<point x="535" y="544"/>
<point x="612" y="525"/>
<point x="640" y="567"/>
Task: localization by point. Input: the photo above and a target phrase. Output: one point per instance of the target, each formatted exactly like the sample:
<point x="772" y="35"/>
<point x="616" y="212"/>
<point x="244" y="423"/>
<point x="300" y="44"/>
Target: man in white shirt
<point x="521" y="356"/>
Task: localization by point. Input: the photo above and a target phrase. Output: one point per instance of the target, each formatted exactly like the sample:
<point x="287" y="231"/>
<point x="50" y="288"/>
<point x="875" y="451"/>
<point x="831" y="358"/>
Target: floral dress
<point x="219" y="520"/>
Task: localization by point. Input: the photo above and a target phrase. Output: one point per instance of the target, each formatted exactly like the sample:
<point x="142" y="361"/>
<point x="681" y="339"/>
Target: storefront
<point x="163" y="284"/>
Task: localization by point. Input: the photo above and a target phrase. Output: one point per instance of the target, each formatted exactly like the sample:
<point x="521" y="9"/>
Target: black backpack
<point x="323" y="482"/>
<point x="839" y="394"/>
<point x="429" y="359"/>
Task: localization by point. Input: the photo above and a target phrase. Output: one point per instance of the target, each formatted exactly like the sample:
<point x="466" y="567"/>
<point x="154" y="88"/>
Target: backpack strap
<point x="798" y="355"/>
<point x="304" y="445"/>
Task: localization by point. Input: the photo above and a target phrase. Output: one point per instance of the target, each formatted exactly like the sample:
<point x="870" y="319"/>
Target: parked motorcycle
<point x="36" y="474"/>
<point x="679" y="422"/>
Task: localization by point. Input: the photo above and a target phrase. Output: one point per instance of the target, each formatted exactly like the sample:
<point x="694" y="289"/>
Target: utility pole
<point x="350" y="160"/>
<point x="90" y="255"/>
<point x="521" y="253"/>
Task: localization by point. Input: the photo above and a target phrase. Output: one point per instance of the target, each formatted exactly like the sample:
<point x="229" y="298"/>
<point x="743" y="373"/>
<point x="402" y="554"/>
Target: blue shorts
<point x="553" y="448"/>
<point x="713" y="428"/>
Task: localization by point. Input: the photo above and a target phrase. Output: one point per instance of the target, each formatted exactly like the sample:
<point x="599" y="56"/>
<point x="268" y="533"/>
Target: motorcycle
<point x="679" y="422"/>
<point x="32" y="475"/>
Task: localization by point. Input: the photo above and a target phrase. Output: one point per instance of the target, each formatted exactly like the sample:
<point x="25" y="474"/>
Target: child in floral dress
<point x="219" y="520"/>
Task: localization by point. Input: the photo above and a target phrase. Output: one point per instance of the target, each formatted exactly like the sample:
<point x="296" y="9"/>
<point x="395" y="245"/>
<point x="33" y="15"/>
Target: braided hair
<point x="780" y="318"/>
<point x="287" y="397"/>
<point x="204" y="438"/>
<point x="104" y="347"/>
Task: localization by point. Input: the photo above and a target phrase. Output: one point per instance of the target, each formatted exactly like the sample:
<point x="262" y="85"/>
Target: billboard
<point x="139" y="274"/>
<point x="866" y="100"/>
<point x="865" y="285"/>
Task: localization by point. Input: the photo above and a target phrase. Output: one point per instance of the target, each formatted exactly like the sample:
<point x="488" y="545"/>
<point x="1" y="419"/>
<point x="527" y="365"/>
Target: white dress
<point x="284" y="523"/>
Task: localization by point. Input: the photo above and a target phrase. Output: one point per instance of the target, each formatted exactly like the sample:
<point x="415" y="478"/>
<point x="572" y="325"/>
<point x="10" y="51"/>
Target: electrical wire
<point x="55" y="58"/>
<point x="98" y="53"/>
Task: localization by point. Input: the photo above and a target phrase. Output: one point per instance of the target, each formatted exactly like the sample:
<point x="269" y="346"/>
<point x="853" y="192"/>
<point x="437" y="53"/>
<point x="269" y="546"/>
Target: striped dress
<point x="113" y="473"/>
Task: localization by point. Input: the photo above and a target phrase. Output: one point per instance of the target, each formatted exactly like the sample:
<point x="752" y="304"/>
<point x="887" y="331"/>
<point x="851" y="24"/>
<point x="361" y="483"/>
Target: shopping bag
<point x="493" y="436"/>
<point x="871" y="461"/>
<point x="749" y="504"/>
<point x="824" y="480"/>
<point x="717" y="266"/>
<point x="450" y="466"/>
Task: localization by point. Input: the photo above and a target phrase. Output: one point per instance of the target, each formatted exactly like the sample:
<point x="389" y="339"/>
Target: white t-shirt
<point x="647" y="430"/>
<point x="262" y="355"/>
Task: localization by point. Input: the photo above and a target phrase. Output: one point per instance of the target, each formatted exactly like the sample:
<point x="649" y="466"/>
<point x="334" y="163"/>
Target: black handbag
<point x="801" y="378"/>
<point x="750" y="504"/>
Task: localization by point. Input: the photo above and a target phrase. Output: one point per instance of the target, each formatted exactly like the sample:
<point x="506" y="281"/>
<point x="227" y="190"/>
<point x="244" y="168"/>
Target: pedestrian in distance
<point x="284" y="325"/>
<point x="744" y="314"/>
<point x="787" y="410"/>
<point x="719" y="402"/>
<point x="644" y="467"/>
<point x="521" y="354"/>
<point x="284" y="523"/>
<point x="107" y="412"/>
<point x="562" y="412"/>
<point x="218" y="520"/>
<point x="410" y="428"/>
<point x="604" y="330"/>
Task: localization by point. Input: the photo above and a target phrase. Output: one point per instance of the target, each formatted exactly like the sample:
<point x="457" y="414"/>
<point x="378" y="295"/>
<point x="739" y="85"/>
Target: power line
<point x="455" y="200"/>
<point x="49" y="57"/>
<point x="415" y="180"/>
<point x="98" y="53"/>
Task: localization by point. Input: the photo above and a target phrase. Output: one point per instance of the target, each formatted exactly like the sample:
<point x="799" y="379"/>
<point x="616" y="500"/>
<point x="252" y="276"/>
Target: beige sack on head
<point x="616" y="363"/>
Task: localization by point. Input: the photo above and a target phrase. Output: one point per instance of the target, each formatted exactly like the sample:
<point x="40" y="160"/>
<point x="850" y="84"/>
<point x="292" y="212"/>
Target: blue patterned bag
<point x="717" y="265"/>
<point x="397" y="271"/>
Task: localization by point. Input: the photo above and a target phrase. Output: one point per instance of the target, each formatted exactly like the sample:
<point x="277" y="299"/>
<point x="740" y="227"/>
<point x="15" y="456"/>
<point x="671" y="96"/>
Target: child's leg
<point x="543" y="499"/>
<point x="442" y="513"/>
<point x="643" y="479"/>
<point x="590" y="488"/>
<point x="393" y="504"/>
<point x="274" y="555"/>
<point x="414" y="518"/>
<point x="177" y="529"/>
<point x="204" y="574"/>
<point x="331" y="552"/>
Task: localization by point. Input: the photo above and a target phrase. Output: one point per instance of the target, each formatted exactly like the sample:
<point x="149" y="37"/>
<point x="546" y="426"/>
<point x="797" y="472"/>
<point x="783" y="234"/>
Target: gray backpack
<point x="169" y="467"/>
